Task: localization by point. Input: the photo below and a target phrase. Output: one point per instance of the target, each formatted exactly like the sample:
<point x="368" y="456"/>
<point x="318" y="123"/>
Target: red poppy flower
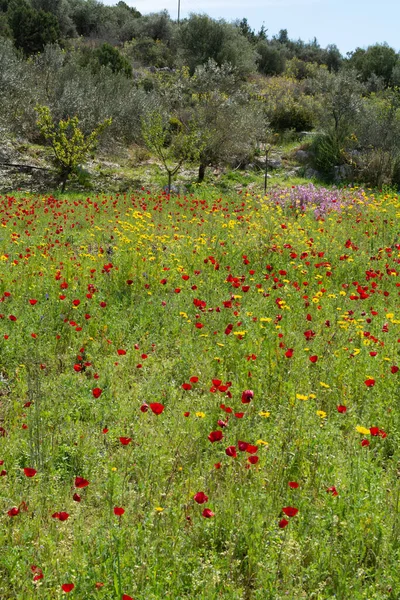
<point x="369" y="382"/>
<point x="61" y="516"/>
<point x="293" y="484"/>
<point x="76" y="302"/>
<point x="77" y="368"/>
<point x="309" y="334"/>
<point x="283" y="523"/>
<point x="104" y="430"/>
<point x="186" y="386"/>
<point x="247" y="396"/>
<point x="37" y="573"/>
<point x="215" y="436"/>
<point x="332" y="490"/>
<point x="103" y="304"/>
<point x="289" y="353"/>
<point x="144" y="408"/>
<point x="216" y="382"/>
<point x="32" y="302"/>
<point x="76" y="497"/>
<point x="208" y="513"/>
<point x="12" y="318"/>
<point x="80" y="482"/>
<point x="67" y="587"/>
<point x="157" y="408"/>
<point x="242" y="446"/>
<point x="394" y="369"/>
<point x="186" y="414"/>
<point x="193" y="379"/>
<point x="97" y="392"/>
<point x="30" y="472"/>
<point x="290" y="511"/>
<point x="365" y="443"/>
<point x="13" y="512"/>
<point x="217" y="465"/>
<point x="341" y="408"/>
<point x="125" y="440"/>
<point x="200" y="498"/>
<point x="121" y="352"/>
<point x="3" y="473"/>
<point x="253" y="460"/>
<point x="118" y="511"/>
<point x="126" y="597"/>
<point x="231" y="451"/>
<point x="313" y="358"/>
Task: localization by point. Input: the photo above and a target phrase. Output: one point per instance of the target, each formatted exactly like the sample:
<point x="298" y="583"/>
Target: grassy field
<point x="199" y="396"/>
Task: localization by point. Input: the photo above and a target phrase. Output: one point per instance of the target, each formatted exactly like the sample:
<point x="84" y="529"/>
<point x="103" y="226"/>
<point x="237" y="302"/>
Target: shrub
<point x="69" y="144"/>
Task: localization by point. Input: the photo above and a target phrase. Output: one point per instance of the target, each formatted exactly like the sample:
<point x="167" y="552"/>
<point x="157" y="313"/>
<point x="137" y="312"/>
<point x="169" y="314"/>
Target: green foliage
<point x="172" y="141"/>
<point x="378" y="60"/>
<point x="149" y="52"/>
<point x="108" y="56"/>
<point x="202" y="38"/>
<point x="287" y="107"/>
<point x="32" y="29"/>
<point x="271" y="59"/>
<point x="329" y="152"/>
<point x="69" y="144"/>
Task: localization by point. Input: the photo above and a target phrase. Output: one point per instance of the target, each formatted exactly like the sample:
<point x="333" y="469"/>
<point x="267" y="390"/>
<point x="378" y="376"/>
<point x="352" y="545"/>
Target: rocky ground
<point x="28" y="168"/>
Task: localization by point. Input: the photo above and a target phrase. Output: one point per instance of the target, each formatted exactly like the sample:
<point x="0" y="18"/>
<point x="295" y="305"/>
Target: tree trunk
<point x="169" y="182"/>
<point x="63" y="183"/>
<point x="202" y="172"/>
<point x="266" y="170"/>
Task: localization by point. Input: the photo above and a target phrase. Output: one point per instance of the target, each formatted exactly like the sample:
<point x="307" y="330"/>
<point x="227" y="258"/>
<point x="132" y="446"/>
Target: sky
<point x="347" y="23"/>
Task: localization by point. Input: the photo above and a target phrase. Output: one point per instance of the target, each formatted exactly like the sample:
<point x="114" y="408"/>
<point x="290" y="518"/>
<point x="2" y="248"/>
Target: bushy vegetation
<point x="91" y="61"/>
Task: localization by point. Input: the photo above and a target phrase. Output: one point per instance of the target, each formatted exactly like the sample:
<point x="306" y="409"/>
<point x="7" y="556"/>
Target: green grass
<point x="146" y="269"/>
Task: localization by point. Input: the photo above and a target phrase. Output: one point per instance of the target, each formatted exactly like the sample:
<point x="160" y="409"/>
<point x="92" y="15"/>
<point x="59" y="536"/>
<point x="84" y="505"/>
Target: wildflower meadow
<point x="199" y="396"/>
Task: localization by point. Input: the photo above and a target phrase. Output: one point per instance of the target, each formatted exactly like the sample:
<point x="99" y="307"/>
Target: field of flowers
<point x="199" y="396"/>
